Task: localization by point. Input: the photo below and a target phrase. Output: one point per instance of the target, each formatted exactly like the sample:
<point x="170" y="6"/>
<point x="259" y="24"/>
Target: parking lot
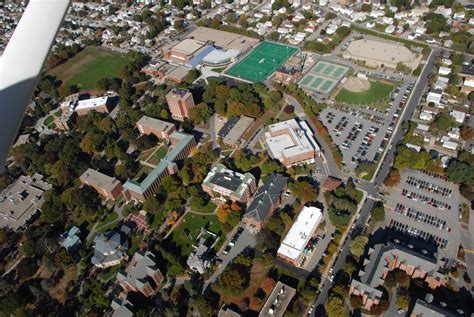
<point x="362" y="133"/>
<point x="425" y="206"/>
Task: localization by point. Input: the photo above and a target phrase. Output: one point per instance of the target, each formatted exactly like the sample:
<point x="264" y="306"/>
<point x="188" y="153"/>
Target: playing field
<point x="377" y="92"/>
<point x="323" y="77"/>
<point x="90" y="65"/>
<point x="262" y="61"/>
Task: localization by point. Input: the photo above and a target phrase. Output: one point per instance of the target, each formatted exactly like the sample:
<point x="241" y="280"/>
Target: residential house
<point x="200" y="259"/>
<point x="70" y="239"/>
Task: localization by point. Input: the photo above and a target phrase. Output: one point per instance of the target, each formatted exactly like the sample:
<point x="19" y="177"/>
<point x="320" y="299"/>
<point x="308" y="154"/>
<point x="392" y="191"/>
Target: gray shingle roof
<point x="268" y="195"/>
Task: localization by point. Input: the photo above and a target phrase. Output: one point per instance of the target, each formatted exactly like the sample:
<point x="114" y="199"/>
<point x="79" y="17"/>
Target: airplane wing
<point x="22" y="62"/>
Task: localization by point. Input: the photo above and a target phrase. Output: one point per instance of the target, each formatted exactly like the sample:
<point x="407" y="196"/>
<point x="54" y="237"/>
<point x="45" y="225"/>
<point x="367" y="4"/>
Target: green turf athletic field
<point x="323" y="77"/>
<point x="262" y="61"/>
<point x="376" y="93"/>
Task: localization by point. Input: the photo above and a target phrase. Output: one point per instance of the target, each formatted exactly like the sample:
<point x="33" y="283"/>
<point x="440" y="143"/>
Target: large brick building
<point x="264" y="203"/>
<point x="109" y="187"/>
<point x="385" y="258"/>
<point x="226" y="183"/>
<point x="140" y="190"/>
<point x="161" y="129"/>
<point x="291" y="142"/>
<point x="180" y="101"/>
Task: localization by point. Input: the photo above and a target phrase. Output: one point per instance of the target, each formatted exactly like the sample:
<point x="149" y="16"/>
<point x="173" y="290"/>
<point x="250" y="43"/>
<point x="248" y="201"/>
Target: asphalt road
<point x="372" y="188"/>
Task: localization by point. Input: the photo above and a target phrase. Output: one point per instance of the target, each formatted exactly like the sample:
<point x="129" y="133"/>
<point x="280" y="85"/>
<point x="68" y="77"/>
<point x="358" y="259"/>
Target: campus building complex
<point x="110" y="248"/>
<point x="109" y="187"/>
<point x="385" y="258"/>
<point x="140" y="190"/>
<point x="141" y="274"/>
<point x="161" y="129"/>
<point x="21" y="201"/>
<point x="278" y="301"/>
<point x="229" y="184"/>
<point x="291" y="142"/>
<point x="180" y="101"/>
<point x="265" y="201"/>
<point x="234" y="129"/>
<point x="292" y="248"/>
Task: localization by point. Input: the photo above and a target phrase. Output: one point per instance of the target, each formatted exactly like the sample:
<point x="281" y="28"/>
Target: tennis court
<point x="262" y="61"/>
<point x="323" y="77"/>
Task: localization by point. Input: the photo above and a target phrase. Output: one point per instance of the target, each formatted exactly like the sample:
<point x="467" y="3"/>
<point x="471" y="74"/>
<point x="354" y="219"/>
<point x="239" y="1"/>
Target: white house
<point x="444" y="71"/>
<point x="425" y="116"/>
<point x="390" y="29"/>
<point x="450" y="145"/>
<point x="434" y="96"/>
<point x="458" y="116"/>
<point x="454" y="133"/>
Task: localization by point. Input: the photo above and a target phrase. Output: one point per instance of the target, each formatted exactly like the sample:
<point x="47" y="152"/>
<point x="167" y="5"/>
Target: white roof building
<point x="291" y="142"/>
<point x="425" y="116"/>
<point x="454" y="133"/>
<point x="444" y="71"/>
<point x="292" y="246"/>
<point x="434" y="97"/>
<point x="91" y="103"/>
<point x="450" y="144"/>
<point x="458" y="116"/>
<point x="423" y="127"/>
<point x="390" y="29"/>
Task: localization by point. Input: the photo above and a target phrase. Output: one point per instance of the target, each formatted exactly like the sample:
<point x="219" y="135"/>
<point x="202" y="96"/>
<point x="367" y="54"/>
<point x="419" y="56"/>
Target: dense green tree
<point x="200" y="113"/>
<point x="460" y="172"/>
<point x="357" y="245"/>
<point x="335" y="307"/>
<point x="232" y="281"/>
<point x="303" y="191"/>
<point x="378" y="214"/>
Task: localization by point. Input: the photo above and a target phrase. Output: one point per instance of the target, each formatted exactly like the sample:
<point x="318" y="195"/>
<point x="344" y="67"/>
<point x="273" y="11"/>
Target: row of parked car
<point x="425" y="185"/>
<point x="422" y="217"/>
<point x="425" y="199"/>
<point x="366" y="144"/>
<point x="353" y="134"/>
<point x="411" y="231"/>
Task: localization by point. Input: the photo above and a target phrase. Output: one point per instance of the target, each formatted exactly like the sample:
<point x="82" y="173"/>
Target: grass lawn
<point x="189" y="228"/>
<point x="109" y="273"/>
<point x="49" y="120"/>
<point x="159" y="154"/>
<point x="375" y="94"/>
<point x="209" y="208"/>
<point x="58" y="113"/>
<point x="146" y="153"/>
<point x="218" y="69"/>
<point x="108" y="223"/>
<point x="90" y="65"/>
